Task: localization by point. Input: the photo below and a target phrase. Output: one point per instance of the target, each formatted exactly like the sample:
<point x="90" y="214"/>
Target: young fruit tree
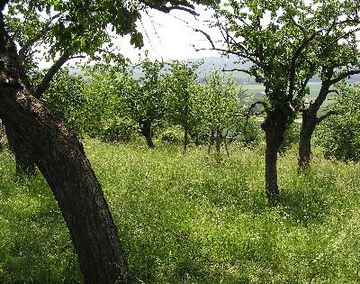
<point x="55" y="150"/>
<point x="222" y="114"/>
<point x="181" y="84"/>
<point x="287" y="43"/>
<point x="144" y="102"/>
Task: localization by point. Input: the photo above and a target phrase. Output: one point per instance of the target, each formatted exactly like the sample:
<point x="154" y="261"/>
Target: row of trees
<point x="111" y="103"/>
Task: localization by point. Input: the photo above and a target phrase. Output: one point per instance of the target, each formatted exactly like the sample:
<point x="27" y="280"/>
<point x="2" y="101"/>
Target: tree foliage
<point x="339" y="135"/>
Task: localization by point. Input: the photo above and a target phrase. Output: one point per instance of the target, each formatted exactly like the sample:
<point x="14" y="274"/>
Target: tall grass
<point x="186" y="219"/>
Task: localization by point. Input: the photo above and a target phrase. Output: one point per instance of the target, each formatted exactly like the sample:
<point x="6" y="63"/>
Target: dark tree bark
<point x="309" y="121"/>
<point x="186" y="139"/>
<point x="25" y="166"/>
<point x="2" y="135"/>
<point x="61" y="159"/>
<point x="274" y="127"/>
<point x="45" y="83"/>
<point x="145" y="129"/>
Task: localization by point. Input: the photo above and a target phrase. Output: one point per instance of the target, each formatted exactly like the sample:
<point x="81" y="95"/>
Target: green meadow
<point x="187" y="219"/>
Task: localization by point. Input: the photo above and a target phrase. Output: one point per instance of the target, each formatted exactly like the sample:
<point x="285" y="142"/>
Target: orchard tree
<point x="222" y="113"/>
<point x="338" y="58"/>
<point x="56" y="150"/>
<point x="104" y="92"/>
<point x="144" y="102"/>
<point x="287" y="43"/>
<point x="181" y="84"/>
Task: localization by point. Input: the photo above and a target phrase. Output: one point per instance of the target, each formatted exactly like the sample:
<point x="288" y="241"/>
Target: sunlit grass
<point x="186" y="219"/>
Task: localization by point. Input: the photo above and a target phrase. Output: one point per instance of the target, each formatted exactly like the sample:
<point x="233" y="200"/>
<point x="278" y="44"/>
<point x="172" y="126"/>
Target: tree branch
<point x="323" y="117"/>
<point x="265" y="106"/>
<point x="44" y="84"/>
<point x="343" y="75"/>
<point x="176" y="5"/>
<point x="237" y="69"/>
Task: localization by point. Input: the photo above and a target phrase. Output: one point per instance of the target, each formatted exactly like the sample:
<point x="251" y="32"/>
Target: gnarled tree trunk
<point x="61" y="159"/>
<point x="274" y="127"/>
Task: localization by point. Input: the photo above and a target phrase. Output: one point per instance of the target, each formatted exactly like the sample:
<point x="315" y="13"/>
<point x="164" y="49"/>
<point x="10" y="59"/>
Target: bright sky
<point x="170" y="36"/>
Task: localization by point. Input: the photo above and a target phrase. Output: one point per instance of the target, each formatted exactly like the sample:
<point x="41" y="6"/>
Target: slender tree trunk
<point x="226" y="145"/>
<point x="218" y="145"/>
<point x="61" y="159"/>
<point x="308" y="125"/>
<point x="274" y="127"/>
<point x="147" y="133"/>
<point x="211" y="141"/>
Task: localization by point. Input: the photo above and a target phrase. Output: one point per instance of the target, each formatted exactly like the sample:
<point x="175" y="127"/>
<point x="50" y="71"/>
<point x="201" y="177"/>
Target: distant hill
<point x="224" y="62"/>
<point x="229" y="62"/>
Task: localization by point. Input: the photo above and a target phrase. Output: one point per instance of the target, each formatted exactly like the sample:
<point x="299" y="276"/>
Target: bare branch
<point x="323" y="117"/>
<point x="343" y="76"/>
<point x="237" y="69"/>
<point x="208" y="37"/>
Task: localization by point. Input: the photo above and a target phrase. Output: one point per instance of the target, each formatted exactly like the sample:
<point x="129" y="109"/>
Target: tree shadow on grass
<point x="304" y="207"/>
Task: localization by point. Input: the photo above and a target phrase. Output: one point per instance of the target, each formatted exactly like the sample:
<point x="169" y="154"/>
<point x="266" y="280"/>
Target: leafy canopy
<point x="289" y="42"/>
<point x="87" y="26"/>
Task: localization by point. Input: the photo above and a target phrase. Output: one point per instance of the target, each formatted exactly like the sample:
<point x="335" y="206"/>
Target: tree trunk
<point x="211" y="141"/>
<point x="2" y="135"/>
<point x="274" y="127"/>
<point x="25" y="166"/>
<point x="218" y="145"/>
<point x="61" y="159"/>
<point x="307" y="128"/>
<point x="147" y="133"/>
<point x="186" y="139"/>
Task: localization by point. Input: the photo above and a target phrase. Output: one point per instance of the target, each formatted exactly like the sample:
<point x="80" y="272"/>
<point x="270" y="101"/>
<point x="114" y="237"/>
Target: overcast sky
<point x="170" y="36"/>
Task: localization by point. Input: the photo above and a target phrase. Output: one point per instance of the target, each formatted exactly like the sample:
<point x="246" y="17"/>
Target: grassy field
<point x="186" y="219"/>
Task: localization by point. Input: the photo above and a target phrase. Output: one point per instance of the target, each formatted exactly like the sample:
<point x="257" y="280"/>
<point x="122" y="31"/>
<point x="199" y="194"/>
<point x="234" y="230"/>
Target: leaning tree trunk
<point x="274" y="127"/>
<point x="307" y="128"/>
<point x="61" y="159"/>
